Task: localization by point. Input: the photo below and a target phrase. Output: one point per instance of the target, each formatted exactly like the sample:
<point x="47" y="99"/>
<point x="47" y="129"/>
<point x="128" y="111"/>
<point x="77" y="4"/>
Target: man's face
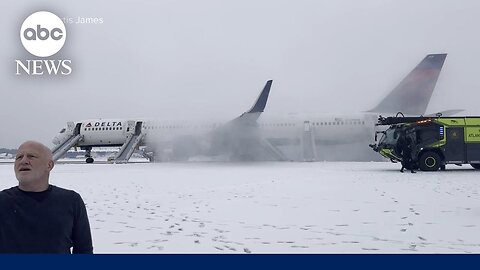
<point x="32" y="164"/>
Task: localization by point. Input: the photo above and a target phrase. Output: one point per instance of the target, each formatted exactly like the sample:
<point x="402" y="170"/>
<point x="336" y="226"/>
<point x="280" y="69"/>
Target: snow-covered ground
<point x="322" y="207"/>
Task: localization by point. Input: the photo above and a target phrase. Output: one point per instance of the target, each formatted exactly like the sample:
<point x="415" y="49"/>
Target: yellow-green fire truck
<point x="434" y="141"/>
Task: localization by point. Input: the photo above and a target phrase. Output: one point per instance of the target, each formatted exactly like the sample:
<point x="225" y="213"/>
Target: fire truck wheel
<point x="429" y="161"/>
<point x="476" y="166"/>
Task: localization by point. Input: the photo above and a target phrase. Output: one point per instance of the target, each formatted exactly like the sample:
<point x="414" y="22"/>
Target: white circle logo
<point x="43" y="34"/>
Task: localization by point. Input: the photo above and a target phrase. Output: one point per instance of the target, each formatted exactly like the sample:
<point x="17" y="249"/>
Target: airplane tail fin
<point x="413" y="93"/>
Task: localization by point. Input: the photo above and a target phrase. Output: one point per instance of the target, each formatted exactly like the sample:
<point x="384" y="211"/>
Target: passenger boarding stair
<point x="132" y="142"/>
<point x="63" y="147"/>
<point x="128" y="148"/>
<point x="308" y="143"/>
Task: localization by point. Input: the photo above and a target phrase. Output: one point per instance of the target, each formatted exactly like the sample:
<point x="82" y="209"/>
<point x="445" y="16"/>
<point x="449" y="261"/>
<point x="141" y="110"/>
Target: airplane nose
<point x="56" y="140"/>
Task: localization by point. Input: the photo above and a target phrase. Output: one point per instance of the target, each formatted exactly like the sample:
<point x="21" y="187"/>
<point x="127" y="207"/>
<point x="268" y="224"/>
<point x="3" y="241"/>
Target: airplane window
<point x="363" y="122"/>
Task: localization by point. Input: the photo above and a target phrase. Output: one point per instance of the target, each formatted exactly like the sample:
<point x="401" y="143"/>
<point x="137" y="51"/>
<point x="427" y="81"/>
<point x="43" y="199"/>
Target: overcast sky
<point x="174" y="59"/>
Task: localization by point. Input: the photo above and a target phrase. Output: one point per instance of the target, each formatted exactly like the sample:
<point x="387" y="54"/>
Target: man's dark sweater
<point x="51" y="221"/>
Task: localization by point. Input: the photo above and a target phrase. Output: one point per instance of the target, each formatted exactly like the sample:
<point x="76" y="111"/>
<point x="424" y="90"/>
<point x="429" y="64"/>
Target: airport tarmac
<point x="274" y="207"/>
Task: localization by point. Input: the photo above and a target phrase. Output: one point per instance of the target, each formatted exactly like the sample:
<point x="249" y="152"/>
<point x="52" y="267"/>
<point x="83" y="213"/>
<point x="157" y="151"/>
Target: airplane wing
<point x="241" y="137"/>
<point x="258" y="107"/>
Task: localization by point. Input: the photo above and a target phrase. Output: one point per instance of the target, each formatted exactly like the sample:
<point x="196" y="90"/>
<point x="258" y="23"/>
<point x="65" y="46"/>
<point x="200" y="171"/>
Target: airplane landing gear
<point x="88" y="155"/>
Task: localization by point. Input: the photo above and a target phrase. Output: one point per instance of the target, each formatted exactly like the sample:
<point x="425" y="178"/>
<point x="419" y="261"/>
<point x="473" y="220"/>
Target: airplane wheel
<point x="89" y="160"/>
<point x="429" y="161"/>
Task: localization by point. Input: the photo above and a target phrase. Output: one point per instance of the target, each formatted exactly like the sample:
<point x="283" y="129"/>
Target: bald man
<point x="36" y="217"/>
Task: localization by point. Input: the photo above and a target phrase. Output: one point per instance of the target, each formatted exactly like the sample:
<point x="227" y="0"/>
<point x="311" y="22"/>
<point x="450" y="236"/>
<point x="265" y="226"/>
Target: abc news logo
<point x="43" y="34"/>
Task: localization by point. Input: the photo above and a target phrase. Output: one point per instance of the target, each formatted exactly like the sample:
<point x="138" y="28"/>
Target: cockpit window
<point x="62" y="131"/>
<point x="389" y="137"/>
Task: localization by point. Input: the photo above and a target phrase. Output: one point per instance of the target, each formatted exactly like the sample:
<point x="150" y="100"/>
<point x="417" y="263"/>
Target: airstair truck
<point x="435" y="141"/>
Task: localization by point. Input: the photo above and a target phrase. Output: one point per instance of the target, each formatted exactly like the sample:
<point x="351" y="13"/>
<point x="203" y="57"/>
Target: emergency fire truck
<point x="434" y="141"/>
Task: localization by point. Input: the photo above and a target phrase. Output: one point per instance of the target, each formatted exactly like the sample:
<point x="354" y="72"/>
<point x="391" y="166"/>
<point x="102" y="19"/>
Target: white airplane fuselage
<point x="253" y="134"/>
<point x="286" y="131"/>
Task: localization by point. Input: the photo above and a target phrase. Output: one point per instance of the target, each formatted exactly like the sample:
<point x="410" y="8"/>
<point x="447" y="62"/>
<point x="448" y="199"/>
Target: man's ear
<point x="51" y="164"/>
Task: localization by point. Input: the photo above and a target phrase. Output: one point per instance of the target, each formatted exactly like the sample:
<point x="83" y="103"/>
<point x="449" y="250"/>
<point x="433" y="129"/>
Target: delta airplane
<point x="253" y="136"/>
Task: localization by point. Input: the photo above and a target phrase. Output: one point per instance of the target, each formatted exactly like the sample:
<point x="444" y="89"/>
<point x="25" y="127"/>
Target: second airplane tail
<point x="413" y="93"/>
